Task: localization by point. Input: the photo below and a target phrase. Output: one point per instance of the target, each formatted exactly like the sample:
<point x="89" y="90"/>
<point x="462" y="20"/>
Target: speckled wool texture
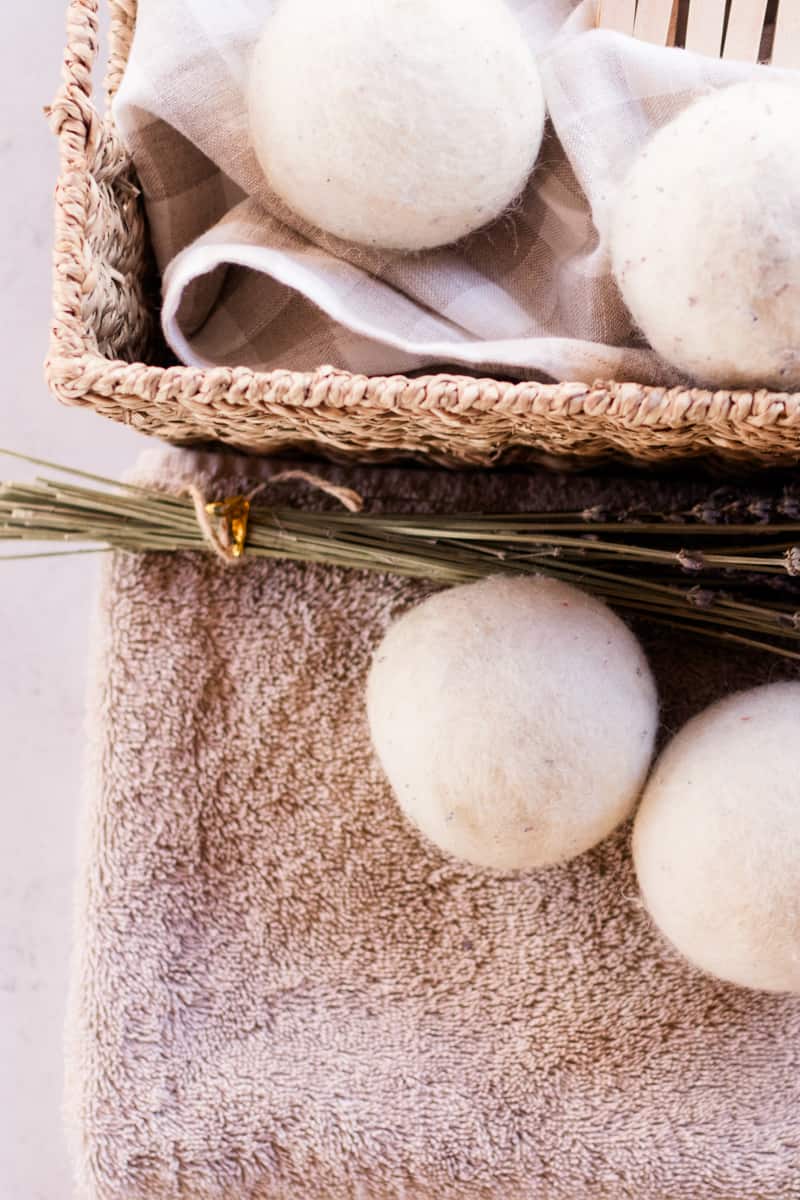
<point x="720" y="873"/>
<point x="247" y="283"/>
<point x="282" y="993"/>
<point x="473" y="702"/>
<point x="383" y="138"/>
<point x="718" y="296"/>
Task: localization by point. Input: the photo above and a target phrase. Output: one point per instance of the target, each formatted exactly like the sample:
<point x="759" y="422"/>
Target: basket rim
<point x="740" y="422"/>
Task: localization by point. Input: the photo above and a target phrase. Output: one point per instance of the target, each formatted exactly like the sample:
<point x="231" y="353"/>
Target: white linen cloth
<point x="246" y="283"/>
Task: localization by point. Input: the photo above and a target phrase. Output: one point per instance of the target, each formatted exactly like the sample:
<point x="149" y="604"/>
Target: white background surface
<point x="43" y="634"/>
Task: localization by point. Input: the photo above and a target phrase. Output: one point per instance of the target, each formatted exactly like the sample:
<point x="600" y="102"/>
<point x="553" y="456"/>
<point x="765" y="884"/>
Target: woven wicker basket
<point x="104" y="348"/>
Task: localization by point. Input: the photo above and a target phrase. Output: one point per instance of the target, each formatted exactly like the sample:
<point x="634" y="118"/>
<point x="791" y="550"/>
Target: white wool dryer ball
<point x="514" y="719"/>
<point x="403" y="124"/>
<point x="717" y="840"/>
<point x="706" y="238"/>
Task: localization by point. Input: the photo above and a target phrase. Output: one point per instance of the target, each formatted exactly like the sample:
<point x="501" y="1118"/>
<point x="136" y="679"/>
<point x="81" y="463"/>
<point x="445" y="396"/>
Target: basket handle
<point x="72" y="115"/>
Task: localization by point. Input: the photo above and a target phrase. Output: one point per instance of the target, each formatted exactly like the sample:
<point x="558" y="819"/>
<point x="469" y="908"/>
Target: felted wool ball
<point x="514" y="719"/>
<point x="403" y="124"/>
<point x="706" y="238"/>
<point x="717" y="840"/>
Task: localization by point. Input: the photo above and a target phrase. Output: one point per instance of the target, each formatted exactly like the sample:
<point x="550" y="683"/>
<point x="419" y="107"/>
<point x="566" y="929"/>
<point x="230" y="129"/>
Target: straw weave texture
<point x="105" y="349"/>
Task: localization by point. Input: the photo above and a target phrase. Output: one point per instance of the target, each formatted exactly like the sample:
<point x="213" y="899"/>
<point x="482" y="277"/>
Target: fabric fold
<point x="247" y="283"/>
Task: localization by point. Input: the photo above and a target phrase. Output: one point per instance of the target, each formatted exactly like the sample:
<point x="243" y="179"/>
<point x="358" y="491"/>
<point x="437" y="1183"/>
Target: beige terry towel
<point x="282" y="993"/>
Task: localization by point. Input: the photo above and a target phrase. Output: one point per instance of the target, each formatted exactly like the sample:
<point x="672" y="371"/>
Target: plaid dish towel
<point x="247" y="283"/>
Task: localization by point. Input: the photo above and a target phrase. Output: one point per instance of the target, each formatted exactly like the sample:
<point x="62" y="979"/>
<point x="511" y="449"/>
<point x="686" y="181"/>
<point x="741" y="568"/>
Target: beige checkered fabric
<point x="247" y="283"/>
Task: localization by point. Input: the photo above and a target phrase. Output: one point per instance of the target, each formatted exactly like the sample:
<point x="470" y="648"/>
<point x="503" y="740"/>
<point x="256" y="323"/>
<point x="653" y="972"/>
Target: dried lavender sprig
<point x="623" y="566"/>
